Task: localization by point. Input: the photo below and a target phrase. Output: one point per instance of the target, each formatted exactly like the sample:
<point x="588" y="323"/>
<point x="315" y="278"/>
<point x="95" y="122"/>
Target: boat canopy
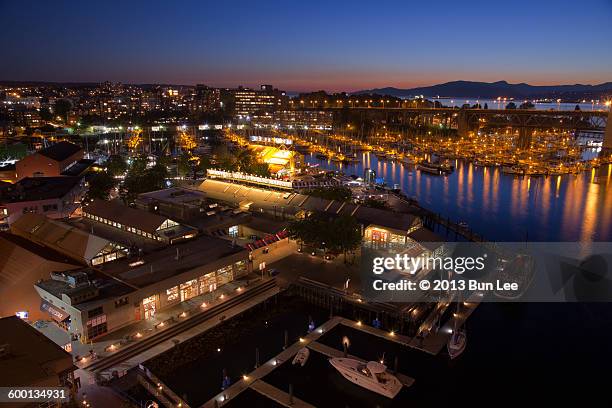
<point x="376" y="368"/>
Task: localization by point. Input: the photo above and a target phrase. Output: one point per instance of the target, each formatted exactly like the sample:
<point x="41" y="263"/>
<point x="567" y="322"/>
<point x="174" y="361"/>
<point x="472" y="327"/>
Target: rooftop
<point x="37" y="188"/>
<point x="175" y="195"/>
<point x="78" y="168"/>
<point x="162" y="264"/>
<point x="107" y="287"/>
<point x="114" y="211"/>
<point x="60" y="151"/>
<point x="67" y="239"/>
<point x="31" y="357"/>
<point x="288" y="203"/>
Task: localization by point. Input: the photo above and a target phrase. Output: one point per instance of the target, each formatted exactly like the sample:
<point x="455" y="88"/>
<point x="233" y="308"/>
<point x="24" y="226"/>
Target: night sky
<point x="307" y="45"/>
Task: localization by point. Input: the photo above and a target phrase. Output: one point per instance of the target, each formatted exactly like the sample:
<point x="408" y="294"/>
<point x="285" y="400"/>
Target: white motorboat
<point x="301" y="357"/>
<point x="371" y="375"/>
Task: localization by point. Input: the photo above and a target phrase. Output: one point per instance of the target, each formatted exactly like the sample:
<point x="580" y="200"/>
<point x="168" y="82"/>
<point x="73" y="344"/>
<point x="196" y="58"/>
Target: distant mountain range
<point x="492" y="90"/>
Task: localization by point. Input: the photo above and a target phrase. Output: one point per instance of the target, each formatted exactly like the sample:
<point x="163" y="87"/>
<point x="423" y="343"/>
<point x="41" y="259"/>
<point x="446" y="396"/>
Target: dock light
<point x="139" y="335"/>
<point x="358" y="322"/>
<point x="301" y="340"/>
<point x="203" y="304"/>
<point x="183" y="314"/>
<point x="312" y="253"/>
<point x="239" y="288"/>
<point x="222" y="296"/>
<point x="218" y="350"/>
<point x="455" y="315"/>
<point x="244" y="377"/>
<point x="162" y="324"/>
<point x="359" y="300"/>
<point x="392" y="333"/>
<point x="321" y="330"/>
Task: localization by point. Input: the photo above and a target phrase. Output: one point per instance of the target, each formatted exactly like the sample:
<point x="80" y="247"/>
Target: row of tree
<point x="337" y="235"/>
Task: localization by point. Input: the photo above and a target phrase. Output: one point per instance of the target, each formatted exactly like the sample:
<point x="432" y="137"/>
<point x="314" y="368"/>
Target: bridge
<point x="466" y="120"/>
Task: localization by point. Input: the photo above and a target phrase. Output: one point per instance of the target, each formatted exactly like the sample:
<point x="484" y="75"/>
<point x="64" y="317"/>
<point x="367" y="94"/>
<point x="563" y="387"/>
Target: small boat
<point x="513" y="170"/>
<point x="301" y="357"/>
<point x="371" y="375"/>
<point x="456" y="344"/>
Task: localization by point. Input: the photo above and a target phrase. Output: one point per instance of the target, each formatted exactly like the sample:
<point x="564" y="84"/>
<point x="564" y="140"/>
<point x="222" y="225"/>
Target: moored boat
<point x="301" y="357"/>
<point x="371" y="375"/>
<point x="456" y="344"/>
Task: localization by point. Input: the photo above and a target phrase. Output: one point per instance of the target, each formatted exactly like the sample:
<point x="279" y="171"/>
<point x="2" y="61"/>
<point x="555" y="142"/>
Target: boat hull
<point x="364" y="382"/>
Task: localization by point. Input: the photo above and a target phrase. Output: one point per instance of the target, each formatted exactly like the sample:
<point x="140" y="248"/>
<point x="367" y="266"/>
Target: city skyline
<point x="308" y="47"/>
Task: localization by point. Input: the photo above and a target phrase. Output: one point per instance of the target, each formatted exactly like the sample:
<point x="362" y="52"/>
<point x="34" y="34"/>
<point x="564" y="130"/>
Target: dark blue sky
<point x="300" y="45"/>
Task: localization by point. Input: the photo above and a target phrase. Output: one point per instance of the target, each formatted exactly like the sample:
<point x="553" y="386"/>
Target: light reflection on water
<point x="505" y="207"/>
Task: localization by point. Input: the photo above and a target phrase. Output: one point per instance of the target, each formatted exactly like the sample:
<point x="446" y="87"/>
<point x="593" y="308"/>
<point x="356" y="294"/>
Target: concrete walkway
<point x="131" y="334"/>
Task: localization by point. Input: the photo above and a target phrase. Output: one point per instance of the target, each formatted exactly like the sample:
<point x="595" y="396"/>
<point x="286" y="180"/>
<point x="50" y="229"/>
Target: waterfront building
<point x="79" y="245"/>
<point x="379" y="225"/>
<point x="137" y="222"/>
<point x="24" y="263"/>
<point x="94" y="302"/>
<point x="54" y="197"/>
<point x="51" y="161"/>
<point x="29" y="359"/>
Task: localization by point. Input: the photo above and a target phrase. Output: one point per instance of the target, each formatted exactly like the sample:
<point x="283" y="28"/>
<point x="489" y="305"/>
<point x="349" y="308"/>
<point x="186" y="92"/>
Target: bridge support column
<point x="606" y="148"/>
<point x="462" y="124"/>
<point x="525" y="138"/>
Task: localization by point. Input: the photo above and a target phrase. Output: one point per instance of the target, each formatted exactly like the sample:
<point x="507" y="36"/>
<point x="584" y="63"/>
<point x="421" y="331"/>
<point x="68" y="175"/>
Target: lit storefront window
<point x="208" y="282"/>
<point x="172" y="294"/>
<point x="189" y="289"/>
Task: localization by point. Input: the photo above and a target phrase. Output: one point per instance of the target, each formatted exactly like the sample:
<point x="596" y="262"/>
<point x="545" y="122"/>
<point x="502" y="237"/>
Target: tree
<point x="259" y="169"/>
<point x="140" y="180"/>
<point x="577" y="108"/>
<point x="116" y="165"/>
<point x="486" y="106"/>
<point x="61" y="108"/>
<point x="45" y="114"/>
<point x="511" y="105"/>
<point x="100" y="185"/>
<point x="344" y="235"/>
<point x="341" y="234"/>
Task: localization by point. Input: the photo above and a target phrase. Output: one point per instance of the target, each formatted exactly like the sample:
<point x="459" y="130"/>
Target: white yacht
<point x="371" y="375"/>
<point x="301" y="357"/>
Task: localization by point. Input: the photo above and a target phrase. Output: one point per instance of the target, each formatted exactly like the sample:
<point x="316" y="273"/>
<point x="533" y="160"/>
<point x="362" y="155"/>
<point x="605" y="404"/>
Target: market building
<point x="79" y="245"/>
<point x="137" y="222"/>
<point x="92" y="302"/>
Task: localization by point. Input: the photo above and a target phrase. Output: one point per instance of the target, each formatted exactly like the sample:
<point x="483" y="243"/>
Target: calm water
<point x="504" y="207"/>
